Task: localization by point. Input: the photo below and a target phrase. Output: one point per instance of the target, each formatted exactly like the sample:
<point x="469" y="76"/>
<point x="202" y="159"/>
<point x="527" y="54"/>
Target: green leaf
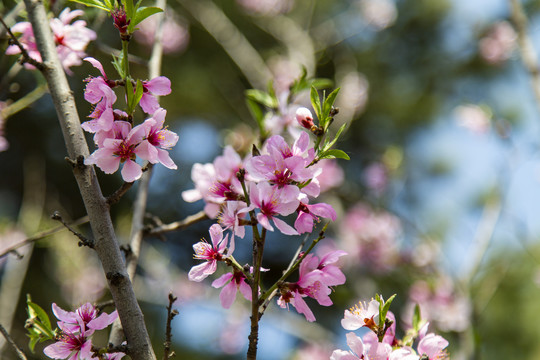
<point x="334" y="154"/>
<point x="130" y="96"/>
<point x="128" y="6"/>
<point x="94" y="3"/>
<point x="385" y="308"/>
<point x="262" y="98"/>
<point x="301" y="83"/>
<point x="109" y="4"/>
<point x="416" y="318"/>
<point x="256" y="112"/>
<point x="117" y="63"/>
<point x="329" y="102"/>
<point x="316" y="103"/>
<point x="38" y="312"/>
<point x="329" y="144"/>
<point x="33" y="341"/>
<point x="322" y="83"/>
<point x="141" y="14"/>
<point x="139" y="90"/>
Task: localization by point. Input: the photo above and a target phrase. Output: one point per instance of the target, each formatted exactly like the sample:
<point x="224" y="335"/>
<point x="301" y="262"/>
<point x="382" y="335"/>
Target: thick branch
<point x="106" y="244"/>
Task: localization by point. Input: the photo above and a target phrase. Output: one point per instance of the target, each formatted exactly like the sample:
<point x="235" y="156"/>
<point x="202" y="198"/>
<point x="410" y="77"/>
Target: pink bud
<point x="304" y="117"/>
<point x="121" y="22"/>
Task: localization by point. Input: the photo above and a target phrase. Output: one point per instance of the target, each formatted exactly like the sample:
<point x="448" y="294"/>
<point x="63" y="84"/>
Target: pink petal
<point x="355" y="343"/>
<point x="245" y="289"/>
<point x="62" y="314"/>
<point x="263" y="220"/>
<point x="95" y="63"/>
<point x="147" y="151"/>
<point x="103" y="320"/>
<point x="58" y="350"/>
<point x="216" y="234"/>
<point x="131" y="171"/>
<point x="343" y="355"/>
<point x="222" y="280"/>
<point x="351" y="322"/>
<point x="149" y="103"/>
<point x="165" y="159"/>
<point x="228" y="295"/>
<point x="159" y="86"/>
<point x="86" y="350"/>
<point x="323" y="210"/>
<point x="304" y="223"/>
<point x="200" y="272"/>
<point x="302" y="307"/>
<point x="191" y="195"/>
<point x="284" y="227"/>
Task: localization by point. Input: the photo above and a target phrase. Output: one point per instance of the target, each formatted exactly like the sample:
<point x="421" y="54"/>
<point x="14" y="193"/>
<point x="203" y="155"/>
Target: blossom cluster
<point x="269" y="185"/>
<point x="75" y="331"/>
<point x="381" y="343"/>
<point x="71" y="39"/>
<point x="118" y="141"/>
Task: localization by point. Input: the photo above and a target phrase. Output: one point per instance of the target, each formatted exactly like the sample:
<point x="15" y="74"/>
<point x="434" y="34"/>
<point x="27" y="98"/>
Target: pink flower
<point x="361" y="315"/>
<point x="211" y="253"/>
<point x="270" y="202"/>
<point x="433" y="347"/>
<point x="307" y="214"/>
<point x="285" y="167"/>
<point x="98" y="91"/>
<point x="70" y="346"/>
<point x="120" y="147"/>
<point x="230" y="217"/>
<point x="84" y="320"/>
<point x="217" y="182"/>
<point x="157" y="140"/>
<point x="314" y="280"/>
<point x="234" y="282"/>
<point x="295" y="299"/>
<point x="71" y="39"/>
<point x="157" y="86"/>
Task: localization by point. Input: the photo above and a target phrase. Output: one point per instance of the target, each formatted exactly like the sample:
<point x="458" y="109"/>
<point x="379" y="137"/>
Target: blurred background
<point x="439" y="203"/>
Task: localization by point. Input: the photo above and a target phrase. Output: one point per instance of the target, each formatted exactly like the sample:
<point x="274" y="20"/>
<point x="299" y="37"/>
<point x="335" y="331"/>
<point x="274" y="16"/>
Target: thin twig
<point x="43" y="234"/>
<point x="83" y="240"/>
<point x="171" y="313"/>
<point x="24" y="54"/>
<point x="177" y="225"/>
<point x="14" y="346"/>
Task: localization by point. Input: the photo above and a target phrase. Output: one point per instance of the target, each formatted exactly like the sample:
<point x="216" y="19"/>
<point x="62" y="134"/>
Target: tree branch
<point x="106" y="245"/>
<point x="14" y="346"/>
<point x="177" y="225"/>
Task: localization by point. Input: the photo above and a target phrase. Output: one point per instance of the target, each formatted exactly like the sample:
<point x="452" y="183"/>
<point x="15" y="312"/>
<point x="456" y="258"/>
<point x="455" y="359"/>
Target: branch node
<point x="115" y="278"/>
<point x="77" y="163"/>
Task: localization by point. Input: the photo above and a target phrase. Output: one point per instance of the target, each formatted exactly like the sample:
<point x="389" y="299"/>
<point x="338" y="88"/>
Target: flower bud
<point x="121" y="22"/>
<point x="304" y="117"/>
